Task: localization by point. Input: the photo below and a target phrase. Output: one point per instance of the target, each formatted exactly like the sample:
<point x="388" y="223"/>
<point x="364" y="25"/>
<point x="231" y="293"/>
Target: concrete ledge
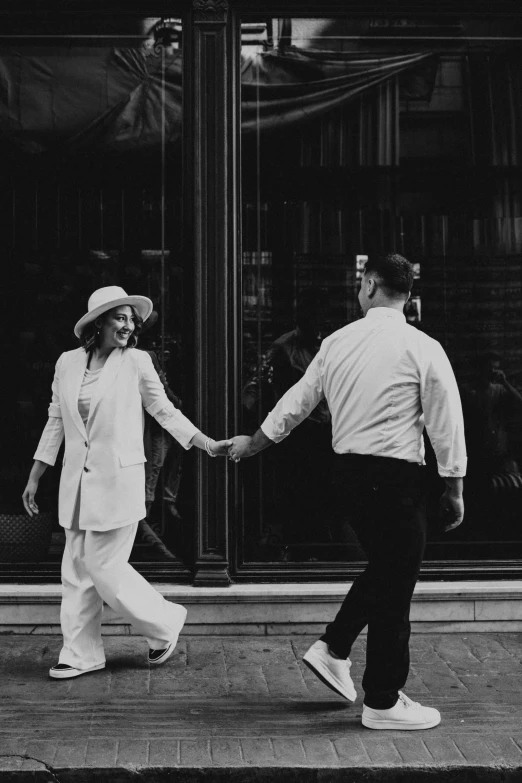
<point x="266" y="609"/>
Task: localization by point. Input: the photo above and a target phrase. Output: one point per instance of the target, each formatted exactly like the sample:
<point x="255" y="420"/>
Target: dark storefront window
<point x="363" y="136"/>
<point x="91" y="161"/>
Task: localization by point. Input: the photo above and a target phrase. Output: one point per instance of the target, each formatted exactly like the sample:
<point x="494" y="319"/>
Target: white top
<point x="383" y="380"/>
<point x="90" y="379"/>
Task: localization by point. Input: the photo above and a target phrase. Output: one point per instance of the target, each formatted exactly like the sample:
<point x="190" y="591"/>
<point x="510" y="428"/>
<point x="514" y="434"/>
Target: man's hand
<point x="451" y="509"/>
<point x="240" y="447"/>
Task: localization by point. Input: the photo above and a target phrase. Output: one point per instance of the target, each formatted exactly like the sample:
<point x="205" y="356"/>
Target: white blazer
<point x="104" y="460"/>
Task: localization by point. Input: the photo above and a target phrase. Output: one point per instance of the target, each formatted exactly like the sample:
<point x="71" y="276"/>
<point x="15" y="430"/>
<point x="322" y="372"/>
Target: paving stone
<point x="70" y="753"/>
<point x="319" y="752"/>
<point x="381" y="749"/>
<point x="413" y="750"/>
<point x="132" y="752"/>
<point x="226" y="752"/>
<point x="101" y="753"/>
<point x="351" y="751"/>
<point x="289" y="752"/>
<point x="474" y="750"/>
<point x="443" y="749"/>
<point x="195" y="753"/>
<point x="257" y="751"/>
<point x="43" y="751"/>
<point x="504" y="749"/>
<point x="230" y="703"/>
<point x="164" y="753"/>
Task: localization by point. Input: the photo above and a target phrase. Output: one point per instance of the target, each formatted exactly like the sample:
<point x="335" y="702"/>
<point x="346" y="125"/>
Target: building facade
<point x="238" y="162"/>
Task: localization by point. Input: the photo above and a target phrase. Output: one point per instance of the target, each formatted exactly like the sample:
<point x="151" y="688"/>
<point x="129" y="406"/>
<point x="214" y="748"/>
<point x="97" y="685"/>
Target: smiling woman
<point x="100" y="391"/>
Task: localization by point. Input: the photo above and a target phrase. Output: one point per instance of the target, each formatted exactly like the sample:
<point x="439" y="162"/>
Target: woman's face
<point x="116" y="327"/>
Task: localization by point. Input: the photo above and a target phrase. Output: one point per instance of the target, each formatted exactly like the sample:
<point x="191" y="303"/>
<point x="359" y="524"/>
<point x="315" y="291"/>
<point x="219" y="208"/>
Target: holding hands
<point x="240" y="447"/>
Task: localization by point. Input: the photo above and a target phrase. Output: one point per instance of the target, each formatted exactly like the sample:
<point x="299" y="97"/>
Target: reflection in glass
<point x="91" y="165"/>
<point x="361" y="136"/>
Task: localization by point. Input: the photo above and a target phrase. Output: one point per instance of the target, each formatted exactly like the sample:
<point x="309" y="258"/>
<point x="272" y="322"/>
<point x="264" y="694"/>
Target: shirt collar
<point x="385" y="312"/>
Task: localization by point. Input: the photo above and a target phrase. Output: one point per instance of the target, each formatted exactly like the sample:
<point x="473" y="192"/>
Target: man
<point x="383" y="380"/>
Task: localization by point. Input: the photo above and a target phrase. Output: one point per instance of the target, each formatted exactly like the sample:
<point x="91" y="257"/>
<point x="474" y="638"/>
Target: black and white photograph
<point x="261" y="464"/>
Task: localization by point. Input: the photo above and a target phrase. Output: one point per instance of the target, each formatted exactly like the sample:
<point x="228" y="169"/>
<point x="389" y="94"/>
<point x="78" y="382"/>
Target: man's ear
<point x="371" y="287"/>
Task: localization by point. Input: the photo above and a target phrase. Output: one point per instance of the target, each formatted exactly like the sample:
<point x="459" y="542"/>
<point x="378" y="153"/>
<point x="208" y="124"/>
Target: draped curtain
<point x="68" y="100"/>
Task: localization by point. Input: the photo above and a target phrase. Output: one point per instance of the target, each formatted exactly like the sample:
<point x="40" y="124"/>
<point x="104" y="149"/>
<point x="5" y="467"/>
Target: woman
<point x="99" y="392"/>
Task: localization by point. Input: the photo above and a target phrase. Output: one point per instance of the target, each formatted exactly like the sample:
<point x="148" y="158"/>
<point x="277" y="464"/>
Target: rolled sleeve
<point x="443" y="415"/>
<point x="296" y="404"/>
<point x="158" y="405"/>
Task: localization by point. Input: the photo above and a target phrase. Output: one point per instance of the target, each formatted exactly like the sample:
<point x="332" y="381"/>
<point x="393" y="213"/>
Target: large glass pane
<point x="91" y="162"/>
<point x="363" y="136"/>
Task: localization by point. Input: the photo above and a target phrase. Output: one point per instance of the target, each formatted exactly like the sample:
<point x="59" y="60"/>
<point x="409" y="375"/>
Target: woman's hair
<point x="90" y="336"/>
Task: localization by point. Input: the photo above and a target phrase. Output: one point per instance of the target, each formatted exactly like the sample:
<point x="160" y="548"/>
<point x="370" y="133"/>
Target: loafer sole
<point x="326" y="677"/>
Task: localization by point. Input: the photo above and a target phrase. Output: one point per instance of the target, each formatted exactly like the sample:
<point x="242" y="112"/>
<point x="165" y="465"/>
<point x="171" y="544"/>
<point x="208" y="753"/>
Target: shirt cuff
<point x="270" y="430"/>
<point x="457" y="471"/>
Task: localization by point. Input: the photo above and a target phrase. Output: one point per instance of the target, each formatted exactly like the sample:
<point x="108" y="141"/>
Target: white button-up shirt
<point x="384" y="381"/>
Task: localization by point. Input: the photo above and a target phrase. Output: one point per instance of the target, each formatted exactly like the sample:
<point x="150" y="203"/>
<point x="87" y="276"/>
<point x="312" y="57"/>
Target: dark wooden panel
<point x="207" y="54"/>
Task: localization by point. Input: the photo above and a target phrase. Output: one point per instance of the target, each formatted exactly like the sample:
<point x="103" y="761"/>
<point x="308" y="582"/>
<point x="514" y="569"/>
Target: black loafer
<point x="160" y="656"/>
<point x="62" y="671"/>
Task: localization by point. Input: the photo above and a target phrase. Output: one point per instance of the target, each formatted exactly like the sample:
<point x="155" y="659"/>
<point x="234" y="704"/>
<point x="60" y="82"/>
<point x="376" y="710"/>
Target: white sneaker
<point x="407" y="715"/>
<point x="334" y="672"/>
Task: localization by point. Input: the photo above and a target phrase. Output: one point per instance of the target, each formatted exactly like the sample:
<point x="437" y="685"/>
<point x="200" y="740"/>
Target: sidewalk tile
<point x="195" y="753"/>
<point x="132" y="752"/>
<point x="226" y="752"/>
<point x="289" y="751"/>
<point x="351" y="751"/>
<point x="257" y="752"/>
<point x="380" y="748"/>
<point x="413" y="749"/>
<point x="504" y="749"/>
<point x="164" y="753"/>
<point x="443" y="750"/>
<point x="70" y="754"/>
<point x="474" y="750"/>
<point x="101" y="753"/>
<point x="320" y="752"/>
<point x="43" y="751"/>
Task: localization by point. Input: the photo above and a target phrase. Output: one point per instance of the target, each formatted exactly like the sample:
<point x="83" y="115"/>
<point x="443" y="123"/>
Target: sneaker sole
<point x="398" y="725"/>
<point x="326" y="678"/>
<point x="64" y="674"/>
<point x="170" y="649"/>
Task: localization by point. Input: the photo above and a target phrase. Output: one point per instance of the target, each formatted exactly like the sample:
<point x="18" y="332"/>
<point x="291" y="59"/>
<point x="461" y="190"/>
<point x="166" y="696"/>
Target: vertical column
<point x="209" y="142"/>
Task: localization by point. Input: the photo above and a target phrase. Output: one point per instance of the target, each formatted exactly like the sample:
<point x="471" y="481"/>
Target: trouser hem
<point x="381" y="703"/>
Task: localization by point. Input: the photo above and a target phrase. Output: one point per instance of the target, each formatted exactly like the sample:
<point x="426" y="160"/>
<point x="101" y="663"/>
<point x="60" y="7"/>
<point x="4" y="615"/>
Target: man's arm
<point x="246" y="446"/>
<point x="293" y="407"/>
<point x="451" y="504"/>
<point x="445" y="425"/>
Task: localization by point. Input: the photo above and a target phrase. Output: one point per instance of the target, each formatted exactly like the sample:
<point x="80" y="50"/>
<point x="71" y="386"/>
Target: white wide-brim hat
<point x="104" y="299"/>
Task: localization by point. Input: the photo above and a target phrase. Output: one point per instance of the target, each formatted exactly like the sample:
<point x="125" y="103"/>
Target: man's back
<point x="384" y="381"/>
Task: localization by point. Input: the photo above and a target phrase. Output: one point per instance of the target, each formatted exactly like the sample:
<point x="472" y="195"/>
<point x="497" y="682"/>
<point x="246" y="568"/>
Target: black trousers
<point x="385" y="502"/>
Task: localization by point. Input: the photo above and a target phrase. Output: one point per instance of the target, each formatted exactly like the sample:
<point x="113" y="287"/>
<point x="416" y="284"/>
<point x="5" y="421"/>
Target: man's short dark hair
<point x="395" y="272"/>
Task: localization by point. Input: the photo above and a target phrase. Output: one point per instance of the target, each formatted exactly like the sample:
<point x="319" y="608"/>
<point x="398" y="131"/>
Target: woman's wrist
<point x="208" y="447"/>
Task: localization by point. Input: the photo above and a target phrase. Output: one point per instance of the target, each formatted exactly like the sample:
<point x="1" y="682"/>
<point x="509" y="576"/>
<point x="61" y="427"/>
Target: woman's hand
<point x="29" y="495"/>
<point x="220" y="447"/>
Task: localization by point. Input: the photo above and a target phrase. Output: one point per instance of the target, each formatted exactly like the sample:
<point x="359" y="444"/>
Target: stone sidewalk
<point x="246" y="709"/>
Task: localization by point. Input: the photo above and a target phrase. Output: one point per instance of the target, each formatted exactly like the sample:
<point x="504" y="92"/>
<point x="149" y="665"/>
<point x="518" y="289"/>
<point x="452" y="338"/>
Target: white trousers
<point x="95" y="568"/>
